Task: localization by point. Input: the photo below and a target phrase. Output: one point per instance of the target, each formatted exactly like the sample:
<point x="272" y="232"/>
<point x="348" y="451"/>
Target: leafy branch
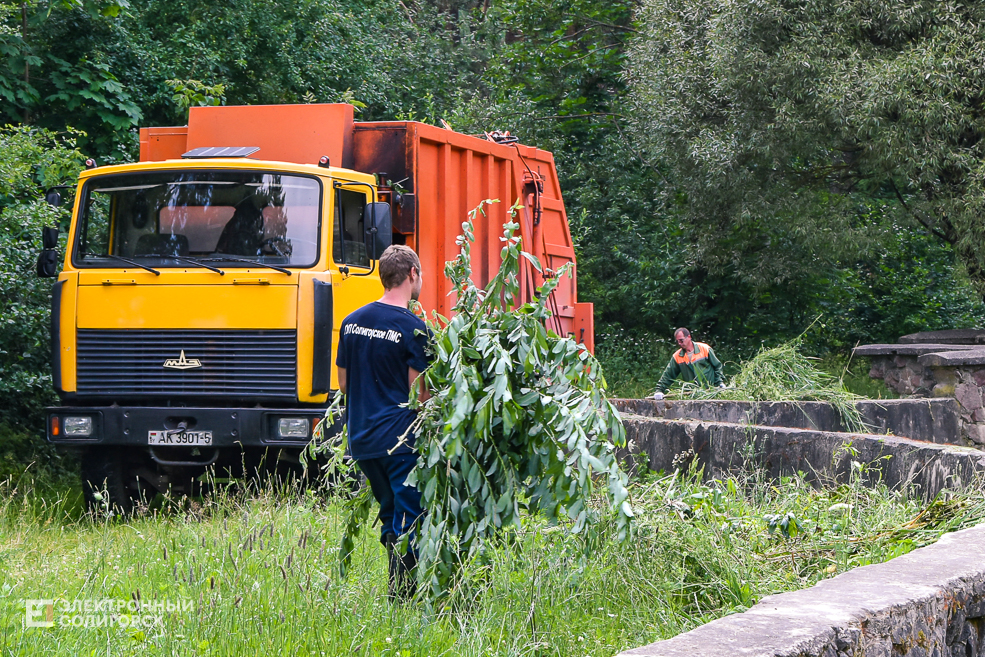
<point x="518" y="425"/>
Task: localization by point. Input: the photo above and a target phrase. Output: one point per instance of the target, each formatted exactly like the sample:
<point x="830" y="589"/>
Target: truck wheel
<point x="106" y="483"/>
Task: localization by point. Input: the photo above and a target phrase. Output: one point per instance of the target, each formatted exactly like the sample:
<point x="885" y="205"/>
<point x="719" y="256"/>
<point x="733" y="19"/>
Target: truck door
<point x="355" y="279"/>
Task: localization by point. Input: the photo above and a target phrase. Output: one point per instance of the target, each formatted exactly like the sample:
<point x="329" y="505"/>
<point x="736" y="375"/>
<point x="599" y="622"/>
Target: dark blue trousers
<point x="400" y="504"/>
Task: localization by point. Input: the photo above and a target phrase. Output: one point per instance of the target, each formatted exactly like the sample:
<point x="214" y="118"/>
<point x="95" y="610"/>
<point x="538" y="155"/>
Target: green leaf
<point x="429" y="490"/>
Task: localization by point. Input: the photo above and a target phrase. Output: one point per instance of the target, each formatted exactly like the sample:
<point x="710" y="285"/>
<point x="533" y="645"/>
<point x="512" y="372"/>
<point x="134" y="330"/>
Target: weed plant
<point x="260" y="571"/>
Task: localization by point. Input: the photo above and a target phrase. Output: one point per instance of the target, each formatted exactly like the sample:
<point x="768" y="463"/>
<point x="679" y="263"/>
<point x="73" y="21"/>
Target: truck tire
<point x="106" y="485"/>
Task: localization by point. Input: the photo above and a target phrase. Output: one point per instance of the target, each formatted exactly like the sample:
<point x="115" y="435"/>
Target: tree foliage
<point x="783" y="122"/>
<point x="30" y="162"/>
<point x="103" y="66"/>
<point x="54" y="77"/>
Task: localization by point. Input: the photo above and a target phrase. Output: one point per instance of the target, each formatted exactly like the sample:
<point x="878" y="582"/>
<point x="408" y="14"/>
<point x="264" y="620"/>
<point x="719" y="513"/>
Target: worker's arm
<point x="669" y="376"/>
<point x="342" y="380"/>
<point x="423" y="394"/>
<point x="717" y="366"/>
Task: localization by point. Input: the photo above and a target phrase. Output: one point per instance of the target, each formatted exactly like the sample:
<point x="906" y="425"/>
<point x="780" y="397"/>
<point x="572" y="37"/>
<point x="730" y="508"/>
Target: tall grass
<point x="261" y="575"/>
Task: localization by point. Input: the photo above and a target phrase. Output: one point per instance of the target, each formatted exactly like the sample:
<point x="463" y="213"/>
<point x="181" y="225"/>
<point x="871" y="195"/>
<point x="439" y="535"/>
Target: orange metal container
<point x="443" y="175"/>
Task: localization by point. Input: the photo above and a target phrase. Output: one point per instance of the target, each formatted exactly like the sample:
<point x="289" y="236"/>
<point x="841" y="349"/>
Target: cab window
<point x="166" y="216"/>
<point x="349" y="247"/>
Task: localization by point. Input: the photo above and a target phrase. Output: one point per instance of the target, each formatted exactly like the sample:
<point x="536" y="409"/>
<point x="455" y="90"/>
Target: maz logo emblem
<point x="182" y="363"/>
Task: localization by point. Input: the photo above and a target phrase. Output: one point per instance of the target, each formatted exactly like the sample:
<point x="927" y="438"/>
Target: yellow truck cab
<point x="196" y="314"/>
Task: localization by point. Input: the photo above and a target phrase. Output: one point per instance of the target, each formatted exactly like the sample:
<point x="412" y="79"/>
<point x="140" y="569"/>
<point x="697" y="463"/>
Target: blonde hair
<point x="396" y="263"/>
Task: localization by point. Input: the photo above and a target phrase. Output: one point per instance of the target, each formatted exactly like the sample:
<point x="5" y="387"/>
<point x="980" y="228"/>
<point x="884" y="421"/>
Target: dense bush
<point x="30" y="162"/>
<point x="911" y="284"/>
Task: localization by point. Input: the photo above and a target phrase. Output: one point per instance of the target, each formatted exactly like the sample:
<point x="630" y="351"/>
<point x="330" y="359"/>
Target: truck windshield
<point x="271" y="218"/>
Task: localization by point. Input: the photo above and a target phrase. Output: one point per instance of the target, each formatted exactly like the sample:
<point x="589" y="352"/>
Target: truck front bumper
<point x="230" y="427"/>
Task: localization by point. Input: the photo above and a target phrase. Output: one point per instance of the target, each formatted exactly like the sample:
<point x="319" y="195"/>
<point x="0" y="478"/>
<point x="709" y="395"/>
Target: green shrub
<point x="31" y="463"/>
<point x="632" y="360"/>
<point x="30" y="162"/>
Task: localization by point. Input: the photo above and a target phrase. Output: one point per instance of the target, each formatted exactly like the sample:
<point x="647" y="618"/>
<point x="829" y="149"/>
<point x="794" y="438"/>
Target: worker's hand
<point x="658" y="395"/>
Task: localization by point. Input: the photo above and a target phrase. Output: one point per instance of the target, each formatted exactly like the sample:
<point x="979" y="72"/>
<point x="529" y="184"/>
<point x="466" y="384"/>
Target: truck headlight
<point x="77" y="426"/>
<point x="292" y="427"/>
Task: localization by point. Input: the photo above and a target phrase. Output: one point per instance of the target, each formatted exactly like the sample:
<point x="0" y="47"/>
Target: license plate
<point x="179" y="437"/>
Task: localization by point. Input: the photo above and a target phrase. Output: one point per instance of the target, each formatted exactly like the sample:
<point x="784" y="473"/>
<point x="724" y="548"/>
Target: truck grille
<point x="241" y="364"/>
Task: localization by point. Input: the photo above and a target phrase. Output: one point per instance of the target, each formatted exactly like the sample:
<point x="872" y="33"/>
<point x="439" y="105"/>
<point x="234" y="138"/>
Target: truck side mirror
<point x="49" y="237"/>
<point x="378" y="228"/>
<point x="48" y="258"/>
<point x="47" y="263"/>
<point x="54" y="198"/>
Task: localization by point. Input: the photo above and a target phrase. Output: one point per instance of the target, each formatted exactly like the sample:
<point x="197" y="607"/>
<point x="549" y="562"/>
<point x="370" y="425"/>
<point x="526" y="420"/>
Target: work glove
<point x="722" y="385"/>
<point x="658" y="395"/>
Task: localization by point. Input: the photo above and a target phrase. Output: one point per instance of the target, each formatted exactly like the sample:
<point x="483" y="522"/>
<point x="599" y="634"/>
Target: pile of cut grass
<point x="782" y="373"/>
<point x="260" y="573"/>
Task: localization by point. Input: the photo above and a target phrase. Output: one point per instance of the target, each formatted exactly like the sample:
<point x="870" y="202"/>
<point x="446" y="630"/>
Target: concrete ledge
<point x="952" y="336"/>
<point x="974" y="356"/>
<point x="869" y="350"/>
<point x="928" y="602"/>
<point x="722" y="447"/>
<point x="931" y="420"/>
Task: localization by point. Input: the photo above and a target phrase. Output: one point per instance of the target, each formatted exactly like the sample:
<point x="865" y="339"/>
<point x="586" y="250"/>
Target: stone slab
<point x="721" y="448"/>
<point x="928" y="602"/>
<point x="869" y="350"/>
<point x="803" y="415"/>
<point x="953" y="336"/>
<point x="964" y="357"/>
<point x="931" y="420"/>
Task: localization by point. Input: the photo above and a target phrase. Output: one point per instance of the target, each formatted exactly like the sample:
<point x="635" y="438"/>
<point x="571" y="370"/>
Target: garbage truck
<point x="196" y="313"/>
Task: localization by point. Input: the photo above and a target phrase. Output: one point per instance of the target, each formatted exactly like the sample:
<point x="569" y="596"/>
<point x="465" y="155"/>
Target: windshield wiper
<point x="249" y="262"/>
<point x="196" y="261"/>
<point x="122" y="259"/>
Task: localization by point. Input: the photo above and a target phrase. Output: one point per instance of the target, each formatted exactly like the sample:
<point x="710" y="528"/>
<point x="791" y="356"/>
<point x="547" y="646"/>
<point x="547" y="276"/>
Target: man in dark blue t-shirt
<point x="381" y="354"/>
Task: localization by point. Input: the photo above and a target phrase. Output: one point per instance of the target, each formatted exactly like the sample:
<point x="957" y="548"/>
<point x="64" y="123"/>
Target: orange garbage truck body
<point x="431" y="176"/>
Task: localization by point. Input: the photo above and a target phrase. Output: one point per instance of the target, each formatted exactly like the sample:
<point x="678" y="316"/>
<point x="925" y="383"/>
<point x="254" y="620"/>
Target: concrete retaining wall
<point x="931" y="420"/>
<point x="722" y="447"/>
<point x="930" y="602"/>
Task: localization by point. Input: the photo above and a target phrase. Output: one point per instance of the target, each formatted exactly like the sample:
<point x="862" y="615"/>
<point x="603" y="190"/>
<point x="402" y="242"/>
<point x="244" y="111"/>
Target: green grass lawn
<point x="257" y="575"/>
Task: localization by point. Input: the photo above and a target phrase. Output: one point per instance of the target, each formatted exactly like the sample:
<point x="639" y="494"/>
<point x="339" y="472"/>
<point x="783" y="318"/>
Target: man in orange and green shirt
<point x="694" y="362"/>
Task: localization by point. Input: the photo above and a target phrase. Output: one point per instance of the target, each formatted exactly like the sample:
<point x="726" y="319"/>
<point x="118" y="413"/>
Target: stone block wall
<point x="966" y="384"/>
<point x="904" y="374"/>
